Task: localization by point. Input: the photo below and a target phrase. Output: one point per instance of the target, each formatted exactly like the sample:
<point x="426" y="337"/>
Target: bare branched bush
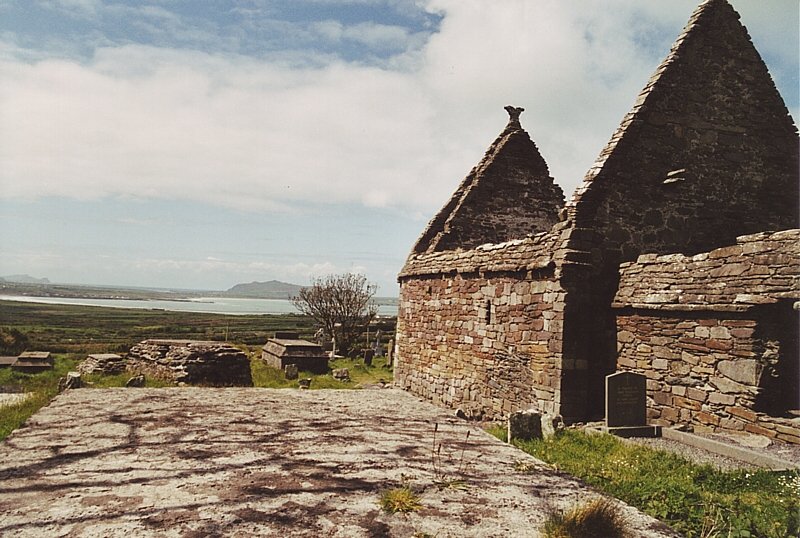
<point x="341" y="304"/>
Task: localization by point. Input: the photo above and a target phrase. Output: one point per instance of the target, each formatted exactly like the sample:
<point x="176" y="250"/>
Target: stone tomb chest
<point x="33" y="361"/>
<point x="191" y="361"/>
<point x="287" y="348"/>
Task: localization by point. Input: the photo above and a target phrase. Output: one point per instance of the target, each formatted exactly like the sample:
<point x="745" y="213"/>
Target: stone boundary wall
<point x="487" y="343"/>
<point x="191" y="361"/>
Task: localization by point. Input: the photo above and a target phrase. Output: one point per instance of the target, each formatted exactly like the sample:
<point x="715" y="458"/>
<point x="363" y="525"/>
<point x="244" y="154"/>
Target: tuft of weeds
<point x="442" y="479"/>
<point x="596" y="519"/>
<point x="402" y="499"/>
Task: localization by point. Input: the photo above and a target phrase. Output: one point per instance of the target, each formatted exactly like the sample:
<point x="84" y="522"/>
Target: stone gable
<point x="507" y="196"/>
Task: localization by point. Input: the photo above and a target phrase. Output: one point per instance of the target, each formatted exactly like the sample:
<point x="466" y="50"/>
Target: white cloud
<point x="75" y="8"/>
<point x="276" y="132"/>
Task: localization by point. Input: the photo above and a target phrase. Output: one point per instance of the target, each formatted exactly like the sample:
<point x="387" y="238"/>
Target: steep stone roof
<point x="708" y="128"/>
<point x="507" y="196"/>
<point x="759" y="269"/>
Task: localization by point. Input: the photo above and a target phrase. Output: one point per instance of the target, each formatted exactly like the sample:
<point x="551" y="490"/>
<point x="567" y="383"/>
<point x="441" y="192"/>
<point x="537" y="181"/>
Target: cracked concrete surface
<point x="188" y="462"/>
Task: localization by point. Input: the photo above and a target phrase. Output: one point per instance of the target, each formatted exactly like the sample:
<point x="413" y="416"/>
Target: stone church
<point x="678" y="257"/>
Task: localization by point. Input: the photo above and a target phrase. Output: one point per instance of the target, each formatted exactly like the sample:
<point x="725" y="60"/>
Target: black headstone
<point x="626" y="400"/>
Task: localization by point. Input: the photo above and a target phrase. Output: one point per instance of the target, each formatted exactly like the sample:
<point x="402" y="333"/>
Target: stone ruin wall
<point x="707" y="153"/>
<point x="702" y="372"/>
<point x="508" y="195"/>
<point x="486" y="335"/>
<point x="191" y="361"/>
<point x="716" y="335"/>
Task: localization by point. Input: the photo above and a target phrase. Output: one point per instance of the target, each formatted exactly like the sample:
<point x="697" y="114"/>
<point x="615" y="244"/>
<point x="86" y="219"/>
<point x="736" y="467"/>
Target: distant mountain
<point x="273" y="289"/>
<point x="24" y="279"/>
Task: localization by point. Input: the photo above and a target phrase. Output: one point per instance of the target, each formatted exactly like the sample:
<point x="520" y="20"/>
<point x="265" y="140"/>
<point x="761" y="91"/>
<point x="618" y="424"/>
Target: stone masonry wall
<point x="716" y="334"/>
<point x="508" y="195"/>
<point x="702" y="371"/>
<point x="488" y="344"/>
<point x="707" y="153"/>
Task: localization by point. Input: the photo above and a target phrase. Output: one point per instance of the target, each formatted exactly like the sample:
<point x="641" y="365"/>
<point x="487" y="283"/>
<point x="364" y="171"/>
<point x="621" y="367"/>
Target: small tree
<point x="341" y="304"/>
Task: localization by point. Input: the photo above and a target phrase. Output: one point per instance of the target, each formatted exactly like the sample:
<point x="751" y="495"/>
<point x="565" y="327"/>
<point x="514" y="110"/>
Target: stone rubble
<point x="191" y="362"/>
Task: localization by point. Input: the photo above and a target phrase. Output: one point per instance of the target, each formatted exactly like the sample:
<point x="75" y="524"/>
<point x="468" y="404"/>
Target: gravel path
<point x="181" y="462"/>
<point x="787" y="452"/>
<point x="691" y="453"/>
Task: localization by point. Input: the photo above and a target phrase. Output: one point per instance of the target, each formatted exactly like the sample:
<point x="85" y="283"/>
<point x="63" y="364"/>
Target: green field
<point x="91" y="329"/>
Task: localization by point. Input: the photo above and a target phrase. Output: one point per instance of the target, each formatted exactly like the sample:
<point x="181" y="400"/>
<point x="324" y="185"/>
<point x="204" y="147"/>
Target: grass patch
<point x="360" y="375"/>
<point x="597" y="519"/>
<point x="13" y="416"/>
<point x="43" y="386"/>
<point x="95" y="329"/>
<point x="696" y="500"/>
<point x="402" y="499"/>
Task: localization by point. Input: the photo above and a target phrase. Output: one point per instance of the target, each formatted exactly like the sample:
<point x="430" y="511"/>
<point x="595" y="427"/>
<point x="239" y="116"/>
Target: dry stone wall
<point x="103" y="363"/>
<point x="716" y="335"/>
<point x="481" y="329"/>
<point x="191" y="361"/>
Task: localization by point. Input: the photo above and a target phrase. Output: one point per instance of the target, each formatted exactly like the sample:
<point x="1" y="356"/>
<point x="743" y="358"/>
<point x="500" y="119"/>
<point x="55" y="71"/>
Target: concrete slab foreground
<point x="187" y="462"/>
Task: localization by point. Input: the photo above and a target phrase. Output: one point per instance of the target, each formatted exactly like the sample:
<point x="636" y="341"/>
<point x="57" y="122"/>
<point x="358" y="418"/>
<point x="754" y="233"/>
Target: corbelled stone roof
<point x="508" y="195"/>
<point x="759" y="269"/>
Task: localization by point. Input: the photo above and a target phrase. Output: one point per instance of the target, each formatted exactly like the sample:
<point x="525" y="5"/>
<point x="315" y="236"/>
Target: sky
<point x="195" y="144"/>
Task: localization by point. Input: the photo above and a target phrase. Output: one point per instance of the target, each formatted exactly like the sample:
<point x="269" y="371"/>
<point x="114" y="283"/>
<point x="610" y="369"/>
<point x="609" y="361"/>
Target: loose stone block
<point x="744" y="371"/>
<point x="525" y="425"/>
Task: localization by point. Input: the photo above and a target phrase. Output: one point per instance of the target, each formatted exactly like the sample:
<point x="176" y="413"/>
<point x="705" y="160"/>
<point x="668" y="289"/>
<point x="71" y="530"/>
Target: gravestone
<point x="368" y="356"/>
<point x="390" y="354"/>
<point x="626" y="405"/>
<point x="524" y="425"/>
<point x="290" y="371"/>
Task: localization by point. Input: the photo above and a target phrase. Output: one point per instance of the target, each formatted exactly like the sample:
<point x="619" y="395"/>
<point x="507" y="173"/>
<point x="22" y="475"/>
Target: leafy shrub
<point x="12" y="341"/>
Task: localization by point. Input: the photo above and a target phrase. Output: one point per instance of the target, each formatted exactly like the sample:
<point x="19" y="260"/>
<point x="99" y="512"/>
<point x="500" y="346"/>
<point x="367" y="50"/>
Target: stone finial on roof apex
<point x="513" y="113"/>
